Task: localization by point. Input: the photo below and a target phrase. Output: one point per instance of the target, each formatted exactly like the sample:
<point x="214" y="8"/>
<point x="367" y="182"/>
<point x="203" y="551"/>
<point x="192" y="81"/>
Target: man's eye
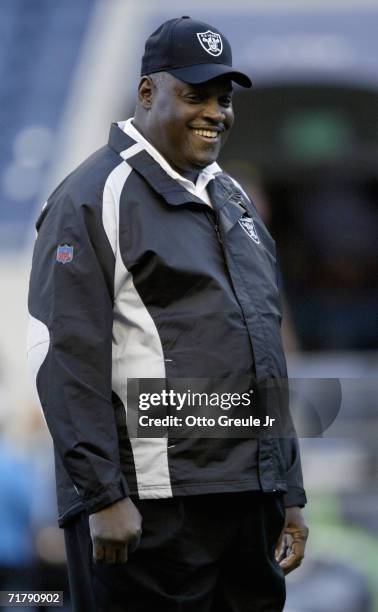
<point x="194" y="98"/>
<point x="226" y="101"/>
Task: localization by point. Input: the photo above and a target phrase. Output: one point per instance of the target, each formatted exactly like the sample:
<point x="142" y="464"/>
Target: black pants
<point x="206" y="553"/>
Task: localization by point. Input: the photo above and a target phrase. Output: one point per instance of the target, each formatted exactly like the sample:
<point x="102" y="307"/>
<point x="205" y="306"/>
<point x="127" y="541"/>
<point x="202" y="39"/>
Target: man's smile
<point x="208" y="134"/>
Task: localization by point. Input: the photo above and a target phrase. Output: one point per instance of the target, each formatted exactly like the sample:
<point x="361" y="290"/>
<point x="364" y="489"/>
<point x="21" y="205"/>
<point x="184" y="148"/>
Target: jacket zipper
<point x="217" y="230"/>
<point x="213" y="217"/>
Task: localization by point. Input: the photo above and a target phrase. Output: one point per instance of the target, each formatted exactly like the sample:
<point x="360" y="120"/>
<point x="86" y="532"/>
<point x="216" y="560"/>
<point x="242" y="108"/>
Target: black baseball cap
<point x="192" y="51"/>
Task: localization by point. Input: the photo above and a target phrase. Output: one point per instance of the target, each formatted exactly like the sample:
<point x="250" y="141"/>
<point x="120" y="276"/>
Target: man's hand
<point x="115" y="531"/>
<point x="291" y="545"/>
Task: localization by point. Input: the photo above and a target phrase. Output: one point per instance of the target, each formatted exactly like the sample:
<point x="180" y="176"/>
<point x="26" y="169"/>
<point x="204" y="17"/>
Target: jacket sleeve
<point x="295" y="495"/>
<point x="289" y="446"/>
<point x="70" y="346"/>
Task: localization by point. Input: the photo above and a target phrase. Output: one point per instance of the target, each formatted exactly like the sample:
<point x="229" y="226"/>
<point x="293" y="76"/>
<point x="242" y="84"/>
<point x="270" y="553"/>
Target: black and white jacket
<point x="133" y="276"/>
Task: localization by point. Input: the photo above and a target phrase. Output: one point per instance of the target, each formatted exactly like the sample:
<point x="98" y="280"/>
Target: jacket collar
<point x="160" y="176"/>
<point x="228" y="201"/>
<point x="206" y="175"/>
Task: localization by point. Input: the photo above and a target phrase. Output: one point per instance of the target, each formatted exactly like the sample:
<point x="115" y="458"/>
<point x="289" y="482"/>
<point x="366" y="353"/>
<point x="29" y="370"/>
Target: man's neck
<point x="191" y="175"/>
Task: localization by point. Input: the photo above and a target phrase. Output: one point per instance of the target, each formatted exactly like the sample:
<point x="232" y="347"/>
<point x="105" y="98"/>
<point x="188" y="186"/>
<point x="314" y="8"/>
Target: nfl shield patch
<point x="64" y="253"/>
<point x="211" y="42"/>
<point x="249" y="227"/>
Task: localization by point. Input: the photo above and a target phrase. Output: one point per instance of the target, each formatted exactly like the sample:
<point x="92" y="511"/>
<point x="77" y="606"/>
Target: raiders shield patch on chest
<point x="248" y="226"/>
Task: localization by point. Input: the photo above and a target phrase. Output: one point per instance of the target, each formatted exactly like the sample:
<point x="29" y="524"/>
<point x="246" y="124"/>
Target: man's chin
<point x="204" y="160"/>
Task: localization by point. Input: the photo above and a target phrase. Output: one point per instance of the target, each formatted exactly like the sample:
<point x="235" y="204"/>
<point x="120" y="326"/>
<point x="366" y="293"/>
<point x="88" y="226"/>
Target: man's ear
<point x="145" y="92"/>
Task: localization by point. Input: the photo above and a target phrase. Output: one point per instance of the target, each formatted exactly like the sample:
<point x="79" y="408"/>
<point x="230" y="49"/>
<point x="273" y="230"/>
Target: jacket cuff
<point x="106" y="496"/>
<point x="295" y="496"/>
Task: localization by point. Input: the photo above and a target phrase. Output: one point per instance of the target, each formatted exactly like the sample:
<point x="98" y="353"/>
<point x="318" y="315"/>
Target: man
<point x="151" y="262"/>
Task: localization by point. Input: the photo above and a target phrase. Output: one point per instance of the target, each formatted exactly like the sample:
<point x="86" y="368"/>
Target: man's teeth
<point x="208" y="133"/>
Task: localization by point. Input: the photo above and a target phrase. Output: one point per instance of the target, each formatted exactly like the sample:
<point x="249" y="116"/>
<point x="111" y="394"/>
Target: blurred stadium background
<point x="306" y="146"/>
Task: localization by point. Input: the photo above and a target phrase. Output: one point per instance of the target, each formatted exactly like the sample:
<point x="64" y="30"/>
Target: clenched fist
<point x="115" y="531"/>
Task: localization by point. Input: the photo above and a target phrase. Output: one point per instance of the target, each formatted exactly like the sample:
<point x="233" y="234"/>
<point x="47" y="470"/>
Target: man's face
<point x="189" y="124"/>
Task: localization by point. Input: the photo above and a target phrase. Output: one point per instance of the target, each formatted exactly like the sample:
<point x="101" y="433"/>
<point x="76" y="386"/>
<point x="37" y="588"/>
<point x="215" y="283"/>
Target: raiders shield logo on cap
<point x="211" y="42"/>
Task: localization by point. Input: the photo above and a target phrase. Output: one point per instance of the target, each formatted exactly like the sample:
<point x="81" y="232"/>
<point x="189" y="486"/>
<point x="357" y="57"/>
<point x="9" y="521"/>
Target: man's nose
<point x="214" y="111"/>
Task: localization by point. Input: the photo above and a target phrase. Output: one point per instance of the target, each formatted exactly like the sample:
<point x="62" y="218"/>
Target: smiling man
<point x="151" y="262"/>
<point x="176" y="123"/>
